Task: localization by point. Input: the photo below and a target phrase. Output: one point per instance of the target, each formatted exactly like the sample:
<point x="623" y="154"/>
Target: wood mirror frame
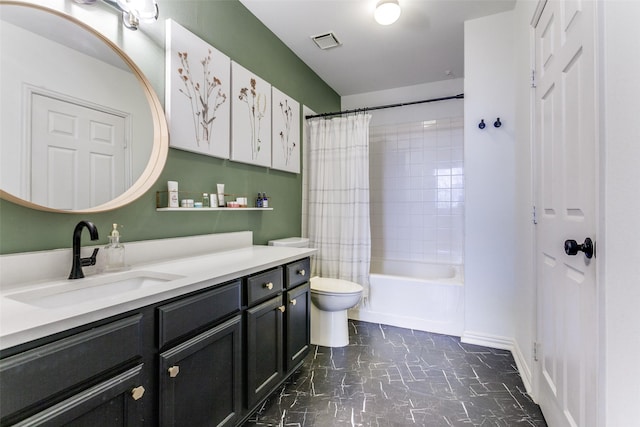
<point x="160" y="146"/>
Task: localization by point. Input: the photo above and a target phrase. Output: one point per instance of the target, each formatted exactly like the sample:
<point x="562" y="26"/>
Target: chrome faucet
<point x="78" y="263"/>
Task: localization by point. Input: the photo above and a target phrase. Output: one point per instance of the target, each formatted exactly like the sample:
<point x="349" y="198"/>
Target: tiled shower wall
<point x="417" y="191"/>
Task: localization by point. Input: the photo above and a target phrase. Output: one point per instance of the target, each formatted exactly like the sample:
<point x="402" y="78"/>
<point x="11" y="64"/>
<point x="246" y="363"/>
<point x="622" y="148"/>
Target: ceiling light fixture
<point x="387" y="12"/>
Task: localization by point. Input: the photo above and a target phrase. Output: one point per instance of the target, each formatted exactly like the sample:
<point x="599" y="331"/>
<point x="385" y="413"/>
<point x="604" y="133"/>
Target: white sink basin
<point x="70" y="292"/>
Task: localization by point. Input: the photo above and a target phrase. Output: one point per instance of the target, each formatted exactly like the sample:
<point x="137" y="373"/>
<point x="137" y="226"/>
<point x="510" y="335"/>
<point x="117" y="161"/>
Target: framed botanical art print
<point x="198" y="87"/>
<point x="250" y="117"/>
<point x="285" y="141"/>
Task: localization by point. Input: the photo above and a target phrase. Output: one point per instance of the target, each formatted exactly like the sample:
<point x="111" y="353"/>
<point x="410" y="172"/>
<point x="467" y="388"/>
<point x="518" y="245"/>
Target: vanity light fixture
<point x="387" y="12"/>
<point x="136" y="11"/>
<point x="133" y="11"/>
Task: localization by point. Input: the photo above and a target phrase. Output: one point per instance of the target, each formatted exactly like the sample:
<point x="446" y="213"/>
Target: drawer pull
<point x="268" y="285"/>
<point x="174" y="371"/>
<point x="302" y="272"/>
<point x="293" y="302"/>
<point x="281" y="308"/>
<point x="137" y="392"/>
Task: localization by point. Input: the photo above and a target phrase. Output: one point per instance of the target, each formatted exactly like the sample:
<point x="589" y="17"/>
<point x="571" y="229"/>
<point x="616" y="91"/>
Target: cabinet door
<point x="298" y="315"/>
<point x="112" y="403"/>
<point x="265" y="367"/>
<point x="200" y="379"/>
<point x="30" y="381"/>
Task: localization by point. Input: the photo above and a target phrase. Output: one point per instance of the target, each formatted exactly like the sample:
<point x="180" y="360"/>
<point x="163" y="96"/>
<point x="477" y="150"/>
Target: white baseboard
<point x="524" y="369"/>
<point x="503" y="343"/>
<point x="493" y="341"/>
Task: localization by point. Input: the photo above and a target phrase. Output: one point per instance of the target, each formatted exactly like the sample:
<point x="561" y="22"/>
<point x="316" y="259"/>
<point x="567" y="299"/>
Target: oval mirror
<point x="81" y="128"/>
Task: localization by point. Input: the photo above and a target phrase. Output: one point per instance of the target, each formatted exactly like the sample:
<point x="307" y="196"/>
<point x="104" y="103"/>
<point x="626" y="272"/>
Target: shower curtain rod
<point x="381" y="107"/>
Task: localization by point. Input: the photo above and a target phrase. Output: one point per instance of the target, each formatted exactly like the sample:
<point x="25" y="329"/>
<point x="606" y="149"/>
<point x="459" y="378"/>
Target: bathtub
<point x="415" y="295"/>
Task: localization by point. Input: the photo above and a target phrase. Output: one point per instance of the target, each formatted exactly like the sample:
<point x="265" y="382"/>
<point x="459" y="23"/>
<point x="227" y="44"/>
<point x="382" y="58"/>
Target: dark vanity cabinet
<point x="277" y="322"/>
<point x="89" y="378"/>
<point x="200" y="363"/>
<point x="206" y="358"/>
<point x="265" y="334"/>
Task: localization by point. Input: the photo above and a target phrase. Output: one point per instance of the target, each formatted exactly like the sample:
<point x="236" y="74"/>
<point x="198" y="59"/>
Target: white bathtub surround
<point x="418" y="190"/>
<point x="421" y="296"/>
<point x="338" y="210"/>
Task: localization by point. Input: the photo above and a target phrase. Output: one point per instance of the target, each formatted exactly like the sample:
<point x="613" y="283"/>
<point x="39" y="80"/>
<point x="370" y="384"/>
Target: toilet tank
<point x="291" y="242"/>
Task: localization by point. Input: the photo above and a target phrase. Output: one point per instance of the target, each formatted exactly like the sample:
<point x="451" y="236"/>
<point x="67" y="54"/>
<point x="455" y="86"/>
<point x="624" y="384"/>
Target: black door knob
<point x="571" y="247"/>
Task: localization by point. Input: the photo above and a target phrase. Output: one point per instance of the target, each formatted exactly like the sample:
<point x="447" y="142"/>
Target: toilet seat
<point x="328" y="286"/>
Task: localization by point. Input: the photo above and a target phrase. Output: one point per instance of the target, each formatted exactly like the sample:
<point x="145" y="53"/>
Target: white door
<point x="77" y="154"/>
<point x="565" y="150"/>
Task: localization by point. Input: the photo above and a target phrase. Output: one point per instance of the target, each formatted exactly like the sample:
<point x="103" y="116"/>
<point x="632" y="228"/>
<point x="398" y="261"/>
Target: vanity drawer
<point x="298" y="272"/>
<point x="264" y="285"/>
<point x="35" y="375"/>
<point x="189" y="314"/>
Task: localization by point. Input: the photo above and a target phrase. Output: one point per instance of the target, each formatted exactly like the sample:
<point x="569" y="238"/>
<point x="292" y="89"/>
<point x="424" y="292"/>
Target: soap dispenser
<point x="114" y="251"/>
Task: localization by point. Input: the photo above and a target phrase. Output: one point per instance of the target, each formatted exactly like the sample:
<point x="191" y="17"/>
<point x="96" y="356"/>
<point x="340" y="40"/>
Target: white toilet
<point x="330" y="298"/>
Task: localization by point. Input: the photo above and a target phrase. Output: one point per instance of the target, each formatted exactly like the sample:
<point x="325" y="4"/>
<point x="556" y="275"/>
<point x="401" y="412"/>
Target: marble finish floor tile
<point x="389" y="376"/>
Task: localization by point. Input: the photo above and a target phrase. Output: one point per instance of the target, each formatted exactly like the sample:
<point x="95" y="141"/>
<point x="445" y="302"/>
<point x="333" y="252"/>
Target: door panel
<point x="298" y="325"/>
<point x="565" y="152"/>
<point x="200" y="379"/>
<point x="69" y="141"/>
<point x="265" y="358"/>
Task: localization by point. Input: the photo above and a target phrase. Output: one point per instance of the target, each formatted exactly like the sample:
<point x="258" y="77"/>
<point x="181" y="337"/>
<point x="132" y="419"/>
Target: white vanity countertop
<point x="22" y="322"/>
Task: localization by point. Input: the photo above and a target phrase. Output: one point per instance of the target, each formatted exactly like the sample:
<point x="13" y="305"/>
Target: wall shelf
<point x="210" y="209"/>
<point x="162" y="200"/>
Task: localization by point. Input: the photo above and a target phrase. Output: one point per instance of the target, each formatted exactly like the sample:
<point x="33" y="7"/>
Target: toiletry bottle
<point x="259" y="201"/>
<point x="114" y="250"/>
<point x="265" y="201"/>
<point x="173" y="193"/>
<point x="220" y="188"/>
<point x="205" y="200"/>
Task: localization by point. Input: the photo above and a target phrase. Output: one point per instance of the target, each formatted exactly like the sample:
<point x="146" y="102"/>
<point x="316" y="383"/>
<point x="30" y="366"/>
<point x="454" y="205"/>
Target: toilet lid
<point x="324" y="284"/>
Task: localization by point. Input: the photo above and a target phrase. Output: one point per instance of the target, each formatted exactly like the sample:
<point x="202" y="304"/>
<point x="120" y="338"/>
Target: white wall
<point x="620" y="214"/>
<point x="491" y="246"/>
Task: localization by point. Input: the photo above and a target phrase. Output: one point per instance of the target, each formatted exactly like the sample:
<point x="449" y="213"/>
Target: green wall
<point x="231" y="28"/>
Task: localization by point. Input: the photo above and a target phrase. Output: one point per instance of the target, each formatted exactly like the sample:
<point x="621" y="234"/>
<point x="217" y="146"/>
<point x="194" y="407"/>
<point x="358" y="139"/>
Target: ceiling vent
<point x="326" y="41"/>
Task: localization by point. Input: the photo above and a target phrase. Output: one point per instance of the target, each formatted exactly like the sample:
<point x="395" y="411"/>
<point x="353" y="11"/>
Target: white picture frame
<point x="250" y="117"/>
<point x="285" y="140"/>
<point x="198" y="92"/>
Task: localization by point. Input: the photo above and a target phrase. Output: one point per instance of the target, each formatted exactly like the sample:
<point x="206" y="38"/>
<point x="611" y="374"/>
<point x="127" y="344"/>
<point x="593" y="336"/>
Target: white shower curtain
<point x="338" y="212"/>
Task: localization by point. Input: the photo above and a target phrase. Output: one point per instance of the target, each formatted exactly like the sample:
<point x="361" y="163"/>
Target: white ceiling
<point x="424" y="45"/>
